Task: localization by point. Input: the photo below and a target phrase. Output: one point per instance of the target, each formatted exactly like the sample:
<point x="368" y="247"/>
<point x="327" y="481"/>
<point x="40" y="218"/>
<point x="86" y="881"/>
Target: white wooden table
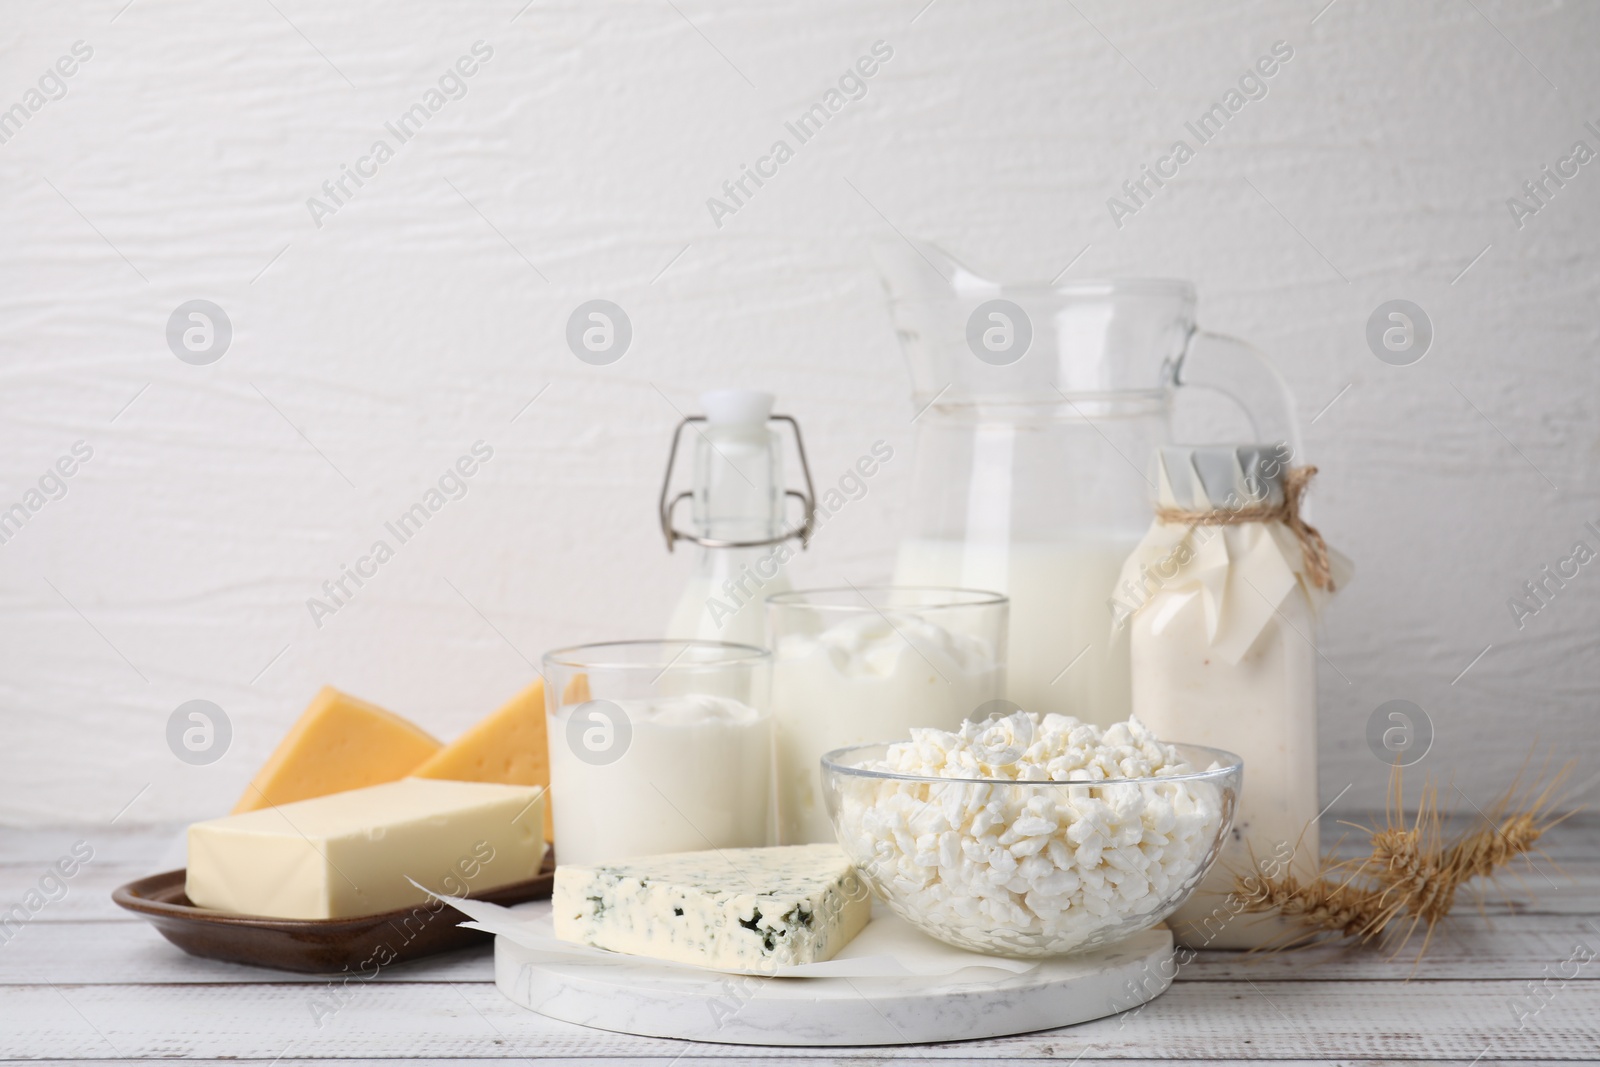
<point x="84" y="981"/>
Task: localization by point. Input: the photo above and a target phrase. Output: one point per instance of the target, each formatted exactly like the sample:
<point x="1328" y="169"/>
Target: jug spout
<point x="912" y="269"/>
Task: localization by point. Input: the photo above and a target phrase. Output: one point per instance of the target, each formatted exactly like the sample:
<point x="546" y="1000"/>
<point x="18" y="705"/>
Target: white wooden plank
<point x="28" y="863"/>
<point x="87" y="898"/>
<point x="147" y="847"/>
<point x="1200" y="1020"/>
<point x="35" y="846"/>
<point x="132" y="952"/>
<point x="975" y="1053"/>
<point x="1573" y="890"/>
<point x="1465" y="949"/>
<point x="1225" y="1006"/>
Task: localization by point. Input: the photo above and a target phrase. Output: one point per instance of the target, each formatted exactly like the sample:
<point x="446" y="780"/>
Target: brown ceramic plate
<point x="317" y="946"/>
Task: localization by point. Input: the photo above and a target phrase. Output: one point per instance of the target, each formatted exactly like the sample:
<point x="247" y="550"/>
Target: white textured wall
<point x="410" y="325"/>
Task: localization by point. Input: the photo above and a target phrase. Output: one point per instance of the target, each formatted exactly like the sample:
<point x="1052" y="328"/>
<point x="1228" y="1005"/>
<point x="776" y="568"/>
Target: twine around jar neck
<point x="1312" y="546"/>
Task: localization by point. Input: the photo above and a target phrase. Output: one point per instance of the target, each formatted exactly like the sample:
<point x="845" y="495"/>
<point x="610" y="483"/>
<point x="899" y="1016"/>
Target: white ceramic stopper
<point x="729" y="406"/>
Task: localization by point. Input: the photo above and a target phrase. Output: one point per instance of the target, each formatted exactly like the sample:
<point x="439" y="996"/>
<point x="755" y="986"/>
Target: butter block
<point x="508" y="746"/>
<point x="351" y="853"/>
<point x="338" y="743"/>
<point x="743" y="909"/>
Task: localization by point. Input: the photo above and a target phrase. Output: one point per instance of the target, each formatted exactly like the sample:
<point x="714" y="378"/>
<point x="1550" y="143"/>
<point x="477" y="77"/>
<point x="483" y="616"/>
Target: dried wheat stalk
<point x="1410" y="875"/>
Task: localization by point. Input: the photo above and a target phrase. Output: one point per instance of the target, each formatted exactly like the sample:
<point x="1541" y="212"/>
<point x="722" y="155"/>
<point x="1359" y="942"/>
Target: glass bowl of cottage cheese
<point x="1029" y="835"/>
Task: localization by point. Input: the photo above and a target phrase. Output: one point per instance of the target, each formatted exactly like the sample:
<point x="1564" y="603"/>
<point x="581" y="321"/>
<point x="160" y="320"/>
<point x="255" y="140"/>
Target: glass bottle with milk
<point x="737" y="506"/>
<point x="1221" y="601"/>
<point x="1037" y="407"/>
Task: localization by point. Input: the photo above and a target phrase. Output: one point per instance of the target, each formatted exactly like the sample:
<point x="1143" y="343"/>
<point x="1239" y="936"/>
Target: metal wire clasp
<point x="669" y="503"/>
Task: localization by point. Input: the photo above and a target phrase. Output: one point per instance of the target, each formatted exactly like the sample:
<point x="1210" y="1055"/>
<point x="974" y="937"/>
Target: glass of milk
<point x="867" y="663"/>
<point x="658" y="746"/>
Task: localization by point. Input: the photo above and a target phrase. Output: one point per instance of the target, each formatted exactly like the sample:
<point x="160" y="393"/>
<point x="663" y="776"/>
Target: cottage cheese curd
<point x="1014" y="865"/>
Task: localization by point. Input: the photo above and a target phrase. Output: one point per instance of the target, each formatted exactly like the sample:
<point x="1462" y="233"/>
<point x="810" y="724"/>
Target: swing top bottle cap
<point x="729" y="406"/>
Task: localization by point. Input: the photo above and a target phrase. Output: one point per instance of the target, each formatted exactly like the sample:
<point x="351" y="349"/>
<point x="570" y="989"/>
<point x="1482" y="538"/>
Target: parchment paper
<point x="888" y="947"/>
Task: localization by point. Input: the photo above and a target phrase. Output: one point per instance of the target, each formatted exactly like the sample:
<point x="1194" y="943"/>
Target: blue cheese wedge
<point x="739" y="909"/>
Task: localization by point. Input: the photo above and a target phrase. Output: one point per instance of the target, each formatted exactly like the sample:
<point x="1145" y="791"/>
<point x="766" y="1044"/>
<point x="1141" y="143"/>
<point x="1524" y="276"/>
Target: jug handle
<point x="1248" y="377"/>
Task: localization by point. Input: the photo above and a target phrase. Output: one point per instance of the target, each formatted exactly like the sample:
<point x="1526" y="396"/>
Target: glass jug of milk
<point x="1036" y="407"/>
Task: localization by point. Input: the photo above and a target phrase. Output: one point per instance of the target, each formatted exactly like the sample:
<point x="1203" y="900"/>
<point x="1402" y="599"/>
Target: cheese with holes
<point x="352" y="853"/>
<point x="339" y="743"/>
<point x="741" y="909"/>
<point x="508" y="747"/>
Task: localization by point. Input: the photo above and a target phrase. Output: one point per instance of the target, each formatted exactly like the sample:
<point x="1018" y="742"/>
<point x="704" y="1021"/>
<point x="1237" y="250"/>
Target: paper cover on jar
<point x="1242" y="571"/>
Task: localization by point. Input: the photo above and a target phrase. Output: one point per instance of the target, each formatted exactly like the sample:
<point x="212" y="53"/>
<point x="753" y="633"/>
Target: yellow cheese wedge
<point x="577" y="690"/>
<point x="508" y="747"/>
<point x="339" y="743"/>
